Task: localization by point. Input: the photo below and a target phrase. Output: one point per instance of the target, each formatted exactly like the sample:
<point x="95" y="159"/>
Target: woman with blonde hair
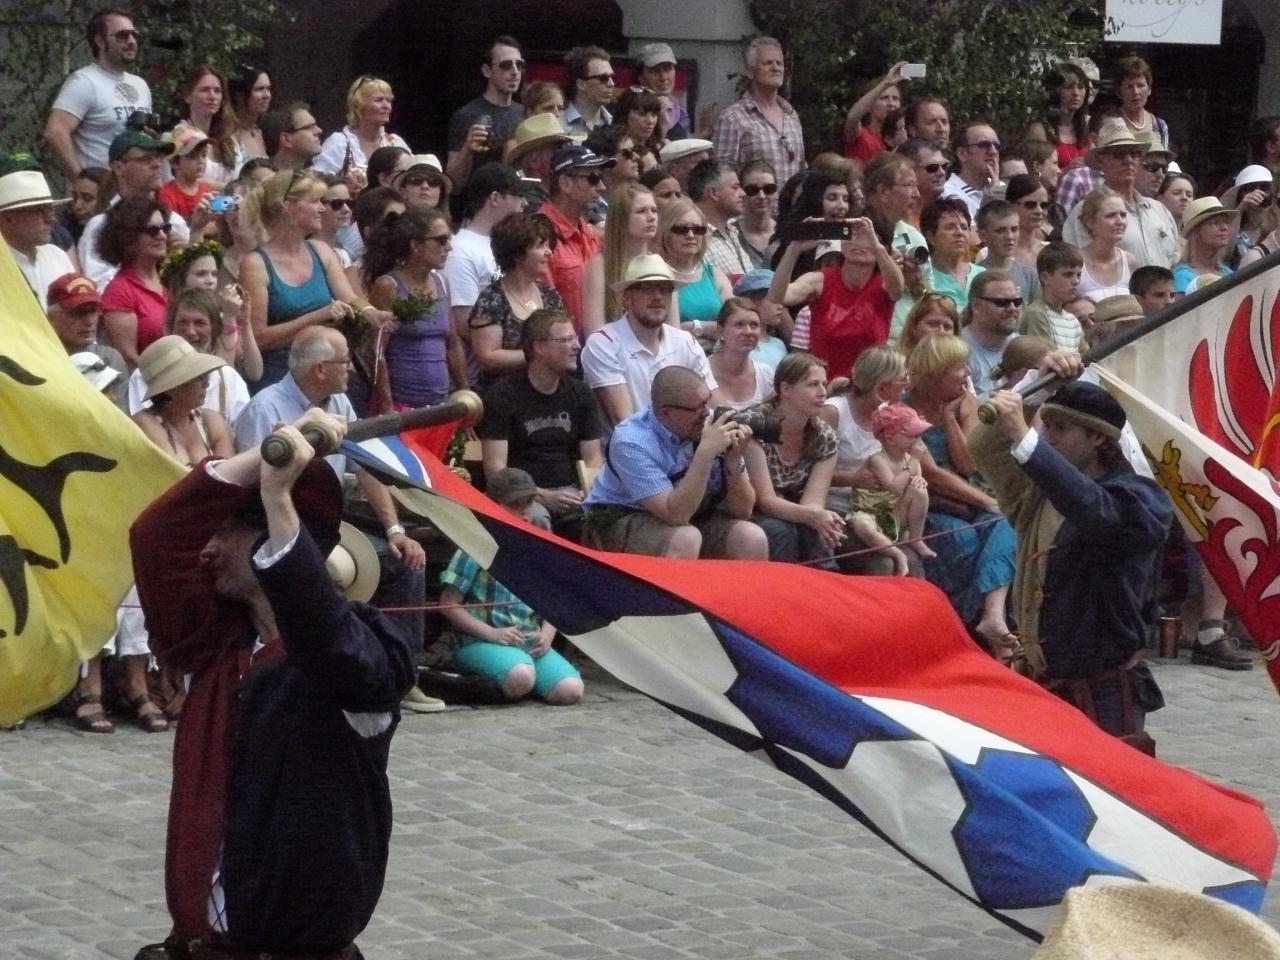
<point x="369" y="101"/>
<point x="682" y="238"/>
<point x="1107" y="268"/>
<point x="294" y="283"/>
<point x="974" y="566"/>
<point x="631" y="230"/>
<point x="933" y="313"/>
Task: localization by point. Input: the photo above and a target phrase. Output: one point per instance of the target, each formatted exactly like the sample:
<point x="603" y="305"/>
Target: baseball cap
<point x="185" y="139"/>
<point x="71" y="291"/>
<point x="17" y="162"/>
<point x="757" y="280"/>
<point x="511" y="485"/>
<point x="652" y="54"/>
<point x="897" y="418"/>
<point x="129" y="139"/>
<point x="494" y="178"/>
<point x="579" y="158"/>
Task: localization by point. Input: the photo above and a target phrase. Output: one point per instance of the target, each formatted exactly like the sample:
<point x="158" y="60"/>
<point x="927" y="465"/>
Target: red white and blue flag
<point x="870" y="691"/>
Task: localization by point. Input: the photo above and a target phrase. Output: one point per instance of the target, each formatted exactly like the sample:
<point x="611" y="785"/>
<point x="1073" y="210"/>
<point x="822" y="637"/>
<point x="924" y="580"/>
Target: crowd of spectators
<point x="694" y="337"/>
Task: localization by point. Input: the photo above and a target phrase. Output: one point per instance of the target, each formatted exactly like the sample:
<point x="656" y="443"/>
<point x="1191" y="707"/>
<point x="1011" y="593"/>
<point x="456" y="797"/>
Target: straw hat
<point x="647" y="268"/>
<point x="353" y="564"/>
<point x="1115" y="133"/>
<point x="1202" y="209"/>
<point x="1250" y="176"/>
<point x="420" y="162"/>
<point x="537" y="131"/>
<point x="679" y="149"/>
<point x="25" y="189"/>
<point x="1147" y="921"/>
<point x="1123" y="306"/>
<point x="1155" y="148"/>
<point x="170" y="362"/>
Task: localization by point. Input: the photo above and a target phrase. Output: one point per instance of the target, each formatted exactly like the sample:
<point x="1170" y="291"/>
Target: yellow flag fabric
<point x="74" y="473"/>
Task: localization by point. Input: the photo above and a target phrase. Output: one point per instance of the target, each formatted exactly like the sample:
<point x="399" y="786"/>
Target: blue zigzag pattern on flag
<point x="1007" y="826"/>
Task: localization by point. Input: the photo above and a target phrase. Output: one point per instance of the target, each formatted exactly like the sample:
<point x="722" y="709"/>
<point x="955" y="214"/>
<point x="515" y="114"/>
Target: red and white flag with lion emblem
<point x="1199" y="385"/>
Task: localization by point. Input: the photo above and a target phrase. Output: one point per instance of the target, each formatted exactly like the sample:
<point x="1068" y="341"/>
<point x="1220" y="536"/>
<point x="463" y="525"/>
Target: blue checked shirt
<point x="645" y="459"/>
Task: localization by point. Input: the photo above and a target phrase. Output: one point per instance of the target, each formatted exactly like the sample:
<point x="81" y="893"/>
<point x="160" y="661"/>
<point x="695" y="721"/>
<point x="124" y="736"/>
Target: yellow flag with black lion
<point x="74" y="473"/>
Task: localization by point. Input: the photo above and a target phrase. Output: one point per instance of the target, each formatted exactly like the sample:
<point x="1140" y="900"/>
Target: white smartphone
<point x="913" y="71"/>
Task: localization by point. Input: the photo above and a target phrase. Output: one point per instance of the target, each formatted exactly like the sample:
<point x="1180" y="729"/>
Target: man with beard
<point x="620" y="359"/>
<point x="97" y="100"/>
<point x="989" y="322"/>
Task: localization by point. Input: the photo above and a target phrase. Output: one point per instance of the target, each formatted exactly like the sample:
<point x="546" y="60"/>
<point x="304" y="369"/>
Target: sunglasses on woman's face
<point x="338" y="204"/>
<point x="755" y="189"/>
<point x="686" y="229"/>
<point x="156" y="230"/>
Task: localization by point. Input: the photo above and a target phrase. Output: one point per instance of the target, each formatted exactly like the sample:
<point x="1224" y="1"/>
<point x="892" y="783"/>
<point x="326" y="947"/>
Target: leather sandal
<point x="95" y="721"/>
<point x="150" y="722"/>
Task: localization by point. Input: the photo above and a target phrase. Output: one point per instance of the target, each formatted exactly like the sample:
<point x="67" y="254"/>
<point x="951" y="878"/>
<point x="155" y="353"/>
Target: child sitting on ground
<point x="879" y="517"/>
<point x="502" y="638"/>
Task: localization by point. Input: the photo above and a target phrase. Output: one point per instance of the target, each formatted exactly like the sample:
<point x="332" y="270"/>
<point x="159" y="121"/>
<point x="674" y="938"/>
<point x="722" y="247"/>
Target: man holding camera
<point x="674" y="482"/>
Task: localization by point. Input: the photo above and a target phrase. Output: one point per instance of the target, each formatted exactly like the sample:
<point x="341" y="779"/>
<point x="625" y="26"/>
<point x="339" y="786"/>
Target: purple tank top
<point x="416" y="353"/>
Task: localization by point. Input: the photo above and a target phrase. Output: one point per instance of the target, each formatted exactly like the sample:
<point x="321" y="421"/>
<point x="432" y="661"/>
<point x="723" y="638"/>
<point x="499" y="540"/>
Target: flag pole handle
<point x="987" y="413"/>
<point x="463" y="407"/>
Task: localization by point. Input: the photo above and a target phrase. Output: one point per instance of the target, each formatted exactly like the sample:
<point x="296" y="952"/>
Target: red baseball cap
<point x="71" y="291"/>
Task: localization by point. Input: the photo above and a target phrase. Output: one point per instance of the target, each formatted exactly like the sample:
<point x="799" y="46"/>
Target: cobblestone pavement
<point x="614" y="829"/>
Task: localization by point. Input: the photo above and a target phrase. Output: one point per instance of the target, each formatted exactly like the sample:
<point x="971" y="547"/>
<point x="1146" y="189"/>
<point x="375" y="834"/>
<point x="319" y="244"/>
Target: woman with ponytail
<point x="402" y="263"/>
<point x="294" y="283"/>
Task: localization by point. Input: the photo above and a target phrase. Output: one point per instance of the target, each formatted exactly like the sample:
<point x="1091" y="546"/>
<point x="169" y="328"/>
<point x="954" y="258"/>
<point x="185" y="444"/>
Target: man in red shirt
<point x="575" y="185"/>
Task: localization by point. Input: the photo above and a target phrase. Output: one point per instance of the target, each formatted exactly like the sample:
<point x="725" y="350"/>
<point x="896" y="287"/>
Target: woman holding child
<point x="974" y="562"/>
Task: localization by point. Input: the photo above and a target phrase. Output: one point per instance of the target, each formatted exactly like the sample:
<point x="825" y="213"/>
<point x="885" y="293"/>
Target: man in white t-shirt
<point x="96" y="101"/>
<point x="493" y="193"/>
<point x="621" y="359"/>
<point x="26" y="224"/>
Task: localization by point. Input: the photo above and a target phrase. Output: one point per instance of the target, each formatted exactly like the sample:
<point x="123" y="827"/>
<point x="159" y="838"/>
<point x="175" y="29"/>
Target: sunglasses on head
<point x="755" y="189"/>
<point x="510" y="65"/>
<point x="1004" y="303"/>
<point x="686" y="229"/>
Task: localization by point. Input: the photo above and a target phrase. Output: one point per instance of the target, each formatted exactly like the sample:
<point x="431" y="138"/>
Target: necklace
<point x="523" y="300"/>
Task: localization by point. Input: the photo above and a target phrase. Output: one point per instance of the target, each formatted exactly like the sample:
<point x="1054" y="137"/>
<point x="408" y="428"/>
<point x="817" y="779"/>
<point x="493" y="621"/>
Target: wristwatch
<point x="394" y="529"/>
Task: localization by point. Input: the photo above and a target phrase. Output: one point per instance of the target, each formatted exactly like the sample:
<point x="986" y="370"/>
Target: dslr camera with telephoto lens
<point x="765" y="427"/>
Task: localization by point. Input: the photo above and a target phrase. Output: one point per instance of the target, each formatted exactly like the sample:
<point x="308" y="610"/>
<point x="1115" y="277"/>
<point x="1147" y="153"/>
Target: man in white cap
<point x="679" y="157"/>
<point x="656" y="67"/>
<point x="26" y="223"/>
<point x="479" y="128"/>
<point x="1150" y="233"/>
<point x="761" y="123"/>
<point x="620" y="359"/>
<point x="97" y="100"/>
<point x="536" y="139"/>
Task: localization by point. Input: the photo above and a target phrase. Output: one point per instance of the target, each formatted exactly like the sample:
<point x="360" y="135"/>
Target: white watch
<point x="394" y="529"/>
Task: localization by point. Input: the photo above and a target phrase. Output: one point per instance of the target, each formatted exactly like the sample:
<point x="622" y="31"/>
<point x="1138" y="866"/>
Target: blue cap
<point x="579" y="158"/>
<point x="753" y="281"/>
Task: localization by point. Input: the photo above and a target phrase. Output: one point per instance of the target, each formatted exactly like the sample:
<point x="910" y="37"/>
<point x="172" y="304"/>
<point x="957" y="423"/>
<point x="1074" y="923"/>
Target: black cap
<point x="493" y="178"/>
<point x="1090" y="406"/>
<point x="579" y="158"/>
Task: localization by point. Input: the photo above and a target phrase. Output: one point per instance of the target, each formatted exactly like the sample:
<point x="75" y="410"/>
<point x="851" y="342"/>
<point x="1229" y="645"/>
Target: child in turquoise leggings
<point x="501" y="637"/>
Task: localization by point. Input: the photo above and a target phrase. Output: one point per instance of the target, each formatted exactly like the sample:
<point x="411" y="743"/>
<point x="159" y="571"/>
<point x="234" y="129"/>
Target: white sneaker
<point x="415" y="701"/>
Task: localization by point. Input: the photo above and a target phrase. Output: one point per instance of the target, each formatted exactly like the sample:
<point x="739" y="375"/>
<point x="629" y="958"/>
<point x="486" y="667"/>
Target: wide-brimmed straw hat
<point x="537" y="131"/>
<point x="25" y="189"/>
<point x="170" y="362"/>
<point x="647" y="268"/>
<point x="353" y="564"/>
<point x="423" y="163"/>
<point x="1148" y="921"/>
<point x="1202" y="209"/>
<point x="1122" y="306"/>
<point x="1114" y="134"/>
<point x="1254" y="176"/>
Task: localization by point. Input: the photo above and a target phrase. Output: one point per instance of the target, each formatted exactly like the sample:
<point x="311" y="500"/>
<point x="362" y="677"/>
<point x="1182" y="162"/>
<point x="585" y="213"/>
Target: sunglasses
<point x="336" y="205"/>
<point x="123" y="35"/>
<point x="937" y="168"/>
<point x="509" y="65"/>
<point x="984" y="145"/>
<point x="755" y="189"/>
<point x="602" y="77"/>
<point x="1154" y="166"/>
<point x="686" y="229"/>
<point x="592" y="178"/>
<point x="444" y="239"/>
<point x="418" y="179"/>
<point x="626" y="153"/>
<point x="1034" y="204"/>
<point x="1004" y="303"/>
<point x="156" y="230"/>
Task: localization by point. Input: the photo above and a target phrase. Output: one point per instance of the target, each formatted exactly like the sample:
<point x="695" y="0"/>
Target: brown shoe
<point x="1222" y="653"/>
